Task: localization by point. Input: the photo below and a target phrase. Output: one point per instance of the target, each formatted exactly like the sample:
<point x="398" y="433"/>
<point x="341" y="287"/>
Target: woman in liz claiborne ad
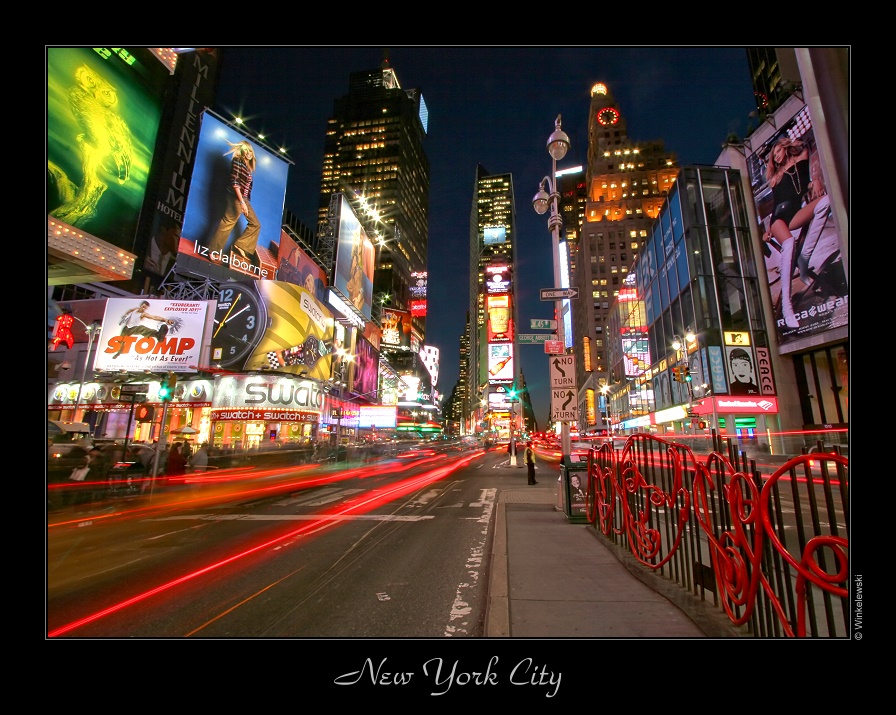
<point x="242" y="171"/>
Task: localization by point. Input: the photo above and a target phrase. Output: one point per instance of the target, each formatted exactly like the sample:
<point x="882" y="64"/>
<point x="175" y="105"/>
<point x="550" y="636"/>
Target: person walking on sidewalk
<point x="530" y="463"/>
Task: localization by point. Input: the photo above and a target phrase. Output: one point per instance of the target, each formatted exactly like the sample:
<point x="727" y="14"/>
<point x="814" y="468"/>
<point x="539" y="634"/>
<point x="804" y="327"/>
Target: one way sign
<point x="558" y="293"/>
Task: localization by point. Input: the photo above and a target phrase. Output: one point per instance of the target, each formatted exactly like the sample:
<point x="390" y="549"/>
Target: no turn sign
<point x="563" y="371"/>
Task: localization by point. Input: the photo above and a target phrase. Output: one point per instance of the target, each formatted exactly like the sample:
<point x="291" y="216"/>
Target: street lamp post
<point x="678" y="343"/>
<point x="558" y="145"/>
<point x="92" y="331"/>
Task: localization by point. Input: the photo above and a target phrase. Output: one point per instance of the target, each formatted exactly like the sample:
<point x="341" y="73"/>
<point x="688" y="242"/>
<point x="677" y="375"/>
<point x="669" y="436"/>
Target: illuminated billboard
<point x="355" y="258"/>
<point x="396" y="327"/>
<point x="296" y="266"/>
<point x="499" y="326"/>
<point x="493" y="235"/>
<point x="261" y="324"/>
<point x="498" y="278"/>
<point x="429" y="356"/>
<point x="220" y="238"/>
<point x="151" y="334"/>
<point x="635" y="353"/>
<point x="366" y="370"/>
<point x="741" y="364"/>
<point x="377" y="416"/>
<point x="500" y="363"/>
<point x="104" y="106"/>
<point x="801" y="241"/>
<point x="418" y="284"/>
<point x="565" y="307"/>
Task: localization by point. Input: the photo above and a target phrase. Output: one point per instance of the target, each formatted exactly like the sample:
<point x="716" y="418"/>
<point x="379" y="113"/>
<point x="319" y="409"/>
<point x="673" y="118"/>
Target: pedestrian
<point x="99" y="465"/>
<point x="146" y="454"/>
<point x="530" y="463"/>
<point x="199" y="459"/>
<point x="176" y="464"/>
<point x="74" y="494"/>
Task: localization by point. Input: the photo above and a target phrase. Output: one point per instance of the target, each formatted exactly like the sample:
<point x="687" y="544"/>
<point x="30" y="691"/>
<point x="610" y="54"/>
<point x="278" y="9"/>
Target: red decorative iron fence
<point x="770" y="550"/>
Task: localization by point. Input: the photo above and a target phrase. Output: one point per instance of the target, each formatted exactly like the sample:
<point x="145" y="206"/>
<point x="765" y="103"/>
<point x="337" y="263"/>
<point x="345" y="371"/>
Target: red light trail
<point x="352" y="508"/>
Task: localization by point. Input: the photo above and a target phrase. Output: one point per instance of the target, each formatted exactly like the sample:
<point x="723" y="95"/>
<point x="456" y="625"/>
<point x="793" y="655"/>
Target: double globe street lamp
<point x="548" y="197"/>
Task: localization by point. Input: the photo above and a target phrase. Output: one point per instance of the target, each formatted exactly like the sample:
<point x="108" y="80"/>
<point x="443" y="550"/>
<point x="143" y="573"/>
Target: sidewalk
<point x="552" y="578"/>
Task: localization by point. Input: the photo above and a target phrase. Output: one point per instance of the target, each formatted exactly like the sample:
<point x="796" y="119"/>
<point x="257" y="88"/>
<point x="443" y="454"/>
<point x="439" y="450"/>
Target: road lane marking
<point x="291" y="517"/>
<point x="458" y="619"/>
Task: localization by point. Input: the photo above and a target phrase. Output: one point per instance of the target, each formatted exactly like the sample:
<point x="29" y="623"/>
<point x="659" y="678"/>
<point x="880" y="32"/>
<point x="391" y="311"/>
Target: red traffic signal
<point x="676" y="374"/>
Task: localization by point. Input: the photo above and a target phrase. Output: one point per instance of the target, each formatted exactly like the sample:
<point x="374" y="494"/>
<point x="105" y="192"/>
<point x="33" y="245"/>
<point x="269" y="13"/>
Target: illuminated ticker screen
<point x="566" y="308"/>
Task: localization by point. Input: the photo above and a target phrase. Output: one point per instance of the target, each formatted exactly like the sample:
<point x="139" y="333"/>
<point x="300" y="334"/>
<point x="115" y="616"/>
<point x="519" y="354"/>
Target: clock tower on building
<point x="606" y="126"/>
<point x="626" y="182"/>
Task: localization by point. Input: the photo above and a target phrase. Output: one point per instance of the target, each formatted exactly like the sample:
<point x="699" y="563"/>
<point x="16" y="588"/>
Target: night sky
<point x="493" y="106"/>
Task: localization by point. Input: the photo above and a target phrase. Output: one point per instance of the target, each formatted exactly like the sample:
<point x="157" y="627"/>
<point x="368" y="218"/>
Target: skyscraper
<point x="373" y="154"/>
<point x="493" y="367"/>
<point x="626" y="184"/>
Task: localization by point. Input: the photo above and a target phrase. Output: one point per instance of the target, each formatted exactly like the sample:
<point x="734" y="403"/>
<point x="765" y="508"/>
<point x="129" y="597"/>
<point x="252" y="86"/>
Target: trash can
<point x="573" y="482"/>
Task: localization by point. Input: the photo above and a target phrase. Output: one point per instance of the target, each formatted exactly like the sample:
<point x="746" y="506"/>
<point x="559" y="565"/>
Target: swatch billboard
<point x="272" y="325"/>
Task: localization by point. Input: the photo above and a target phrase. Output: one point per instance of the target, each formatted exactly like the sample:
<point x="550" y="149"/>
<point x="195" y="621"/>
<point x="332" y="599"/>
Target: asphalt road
<point x="389" y="549"/>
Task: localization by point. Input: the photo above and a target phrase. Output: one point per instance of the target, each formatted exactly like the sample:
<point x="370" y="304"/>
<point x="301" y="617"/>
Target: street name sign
<point x="539" y="323"/>
<point x="553" y="347"/>
<point x="134" y="388"/>
<point x="563" y="405"/>
<point x="532" y="338"/>
<point x="563" y="371"/>
<point x="558" y="293"/>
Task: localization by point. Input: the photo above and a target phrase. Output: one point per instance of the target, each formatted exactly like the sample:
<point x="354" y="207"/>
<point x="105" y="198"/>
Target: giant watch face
<point x="608" y="116"/>
<point x="240" y="321"/>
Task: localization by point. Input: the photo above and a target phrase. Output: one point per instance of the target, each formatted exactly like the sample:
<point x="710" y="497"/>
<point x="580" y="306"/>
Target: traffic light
<point x="166" y="387"/>
<point x="677" y="374"/>
<point x="686" y="371"/>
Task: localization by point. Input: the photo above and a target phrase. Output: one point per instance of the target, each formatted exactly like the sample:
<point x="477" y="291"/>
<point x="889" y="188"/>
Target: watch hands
<point x="244" y="309"/>
<point x="227" y="317"/>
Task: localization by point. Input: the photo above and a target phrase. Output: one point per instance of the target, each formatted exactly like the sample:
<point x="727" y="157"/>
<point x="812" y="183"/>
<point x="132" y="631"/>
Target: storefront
<point x="253" y="410"/>
<point x="111" y="415"/>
